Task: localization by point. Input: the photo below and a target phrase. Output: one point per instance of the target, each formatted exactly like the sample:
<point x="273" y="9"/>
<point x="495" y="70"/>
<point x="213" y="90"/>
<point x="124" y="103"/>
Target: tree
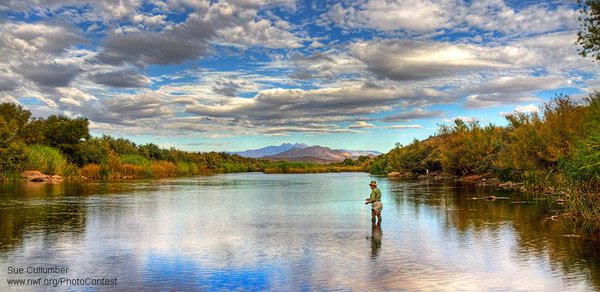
<point x="589" y="35"/>
<point x="13" y="119"/>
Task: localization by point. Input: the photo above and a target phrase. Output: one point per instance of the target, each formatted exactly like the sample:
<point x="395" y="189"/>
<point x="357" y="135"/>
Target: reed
<point x="135" y="166"/>
<point x="46" y="159"/>
<point x="163" y="169"/>
<point x="583" y="210"/>
<point x="91" y="171"/>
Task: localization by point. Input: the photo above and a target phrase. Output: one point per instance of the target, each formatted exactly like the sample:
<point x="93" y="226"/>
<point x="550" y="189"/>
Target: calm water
<point x="289" y="232"/>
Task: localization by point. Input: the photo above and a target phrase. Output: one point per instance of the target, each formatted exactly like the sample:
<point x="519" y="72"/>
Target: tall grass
<point x="187" y="168"/>
<point x="163" y="169"/>
<point x="584" y="211"/>
<point x="134" y="165"/>
<point x="48" y="160"/>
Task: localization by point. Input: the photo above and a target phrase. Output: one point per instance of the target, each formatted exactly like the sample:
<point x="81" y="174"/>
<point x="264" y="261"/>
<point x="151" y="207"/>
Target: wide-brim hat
<point x="373" y="183"/>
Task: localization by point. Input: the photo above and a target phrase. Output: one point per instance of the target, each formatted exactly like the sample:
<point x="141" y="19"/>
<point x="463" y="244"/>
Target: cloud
<point x="406" y="60"/>
<point x="516" y="84"/>
<point x="8" y="82"/>
<point x="532" y="19"/>
<point x="415" y="114"/>
<point x="132" y="109"/>
<point x="290" y="4"/>
<point x="297" y="108"/>
<point x="49" y="74"/>
<point x="226" y="87"/>
<point x="497" y="99"/>
<point x="427" y="16"/>
<point x="419" y="16"/>
<point x="319" y="65"/>
<point x="98" y="10"/>
<point x="361" y="125"/>
<point x="73" y="96"/>
<point x="509" y="90"/>
<point x="120" y="79"/>
<point x="184" y="42"/>
<point x="402" y="127"/>
<point x="527" y="109"/>
<point x="239" y="26"/>
<point x="35" y="39"/>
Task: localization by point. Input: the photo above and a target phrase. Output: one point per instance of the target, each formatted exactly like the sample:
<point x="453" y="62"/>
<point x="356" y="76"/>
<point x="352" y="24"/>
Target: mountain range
<point x="304" y="153"/>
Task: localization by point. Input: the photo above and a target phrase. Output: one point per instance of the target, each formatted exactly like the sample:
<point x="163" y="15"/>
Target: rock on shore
<point x="37" y="176"/>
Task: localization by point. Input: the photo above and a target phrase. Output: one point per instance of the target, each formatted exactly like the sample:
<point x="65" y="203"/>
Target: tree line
<point x="63" y="146"/>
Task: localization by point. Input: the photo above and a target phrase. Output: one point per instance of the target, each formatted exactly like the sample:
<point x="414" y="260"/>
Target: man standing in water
<point x="375" y="201"/>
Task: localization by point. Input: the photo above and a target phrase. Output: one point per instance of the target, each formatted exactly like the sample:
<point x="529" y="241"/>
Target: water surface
<point x="290" y="232"/>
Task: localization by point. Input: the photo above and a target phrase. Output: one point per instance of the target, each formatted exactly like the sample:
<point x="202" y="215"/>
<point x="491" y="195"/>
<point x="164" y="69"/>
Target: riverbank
<point x="581" y="212"/>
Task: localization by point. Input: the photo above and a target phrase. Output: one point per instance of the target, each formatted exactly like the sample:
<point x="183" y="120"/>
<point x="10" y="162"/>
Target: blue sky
<point x="242" y="74"/>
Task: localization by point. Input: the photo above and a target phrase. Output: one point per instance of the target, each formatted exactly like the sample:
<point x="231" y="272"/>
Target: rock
<point x="393" y="174"/>
<point x="37" y="176"/>
<point x="34" y="175"/>
<point x="507" y="185"/>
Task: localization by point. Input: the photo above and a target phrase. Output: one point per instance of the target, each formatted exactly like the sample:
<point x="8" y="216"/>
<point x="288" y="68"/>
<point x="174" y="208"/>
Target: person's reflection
<point x="375" y="239"/>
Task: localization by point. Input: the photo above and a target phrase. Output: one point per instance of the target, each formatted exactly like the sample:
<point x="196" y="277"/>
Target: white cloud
<point x="404" y="60"/>
<point x="527" y="109"/>
<point x="73" y="96"/>
<point x="402" y="127"/>
<point x="414" y="114"/>
<point x="497" y="99"/>
<point x="427" y="16"/>
<point x="537" y="18"/>
<point x="418" y="16"/>
<point x="239" y="26"/>
<point x="361" y="125"/>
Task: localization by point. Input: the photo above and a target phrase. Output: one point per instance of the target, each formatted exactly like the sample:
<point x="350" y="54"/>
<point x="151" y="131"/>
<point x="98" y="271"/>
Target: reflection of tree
<point x="45" y="207"/>
<point x="466" y="213"/>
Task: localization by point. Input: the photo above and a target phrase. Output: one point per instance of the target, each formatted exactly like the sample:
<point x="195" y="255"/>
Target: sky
<point x="245" y="74"/>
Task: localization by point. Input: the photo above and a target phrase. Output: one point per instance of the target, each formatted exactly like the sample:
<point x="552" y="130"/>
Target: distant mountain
<point x="304" y="153"/>
<point x="316" y="154"/>
<point x="270" y="150"/>
<point x="357" y="153"/>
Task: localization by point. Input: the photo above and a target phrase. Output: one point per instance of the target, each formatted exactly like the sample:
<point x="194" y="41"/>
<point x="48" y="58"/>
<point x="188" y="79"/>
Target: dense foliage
<point x="557" y="149"/>
<point x="588" y="38"/>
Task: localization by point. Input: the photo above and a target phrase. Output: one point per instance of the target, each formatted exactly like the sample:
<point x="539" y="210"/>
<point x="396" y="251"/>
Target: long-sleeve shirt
<point x="375" y="196"/>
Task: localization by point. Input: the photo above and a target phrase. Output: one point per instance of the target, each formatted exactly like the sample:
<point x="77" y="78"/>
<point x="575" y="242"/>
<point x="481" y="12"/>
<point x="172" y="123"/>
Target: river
<point x="289" y="232"/>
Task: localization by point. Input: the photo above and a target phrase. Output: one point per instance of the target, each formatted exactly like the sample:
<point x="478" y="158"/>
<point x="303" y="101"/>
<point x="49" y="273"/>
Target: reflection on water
<point x="292" y="232"/>
<point x="376" y="235"/>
